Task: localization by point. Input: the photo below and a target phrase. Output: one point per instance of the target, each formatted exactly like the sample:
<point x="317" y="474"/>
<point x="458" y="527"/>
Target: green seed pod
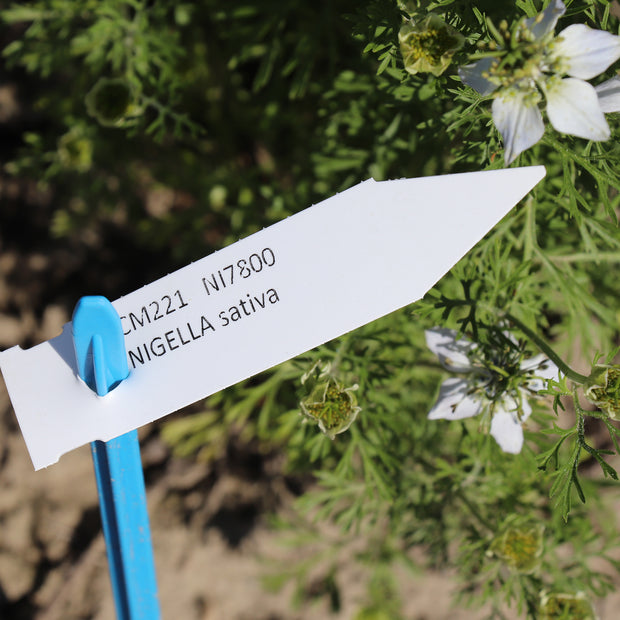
<point x="519" y="544"/>
<point x="561" y="605"/>
<point x="332" y="407"/>
<point x="428" y="46"/>
<point x="111" y="101"/>
<point x="603" y="389"/>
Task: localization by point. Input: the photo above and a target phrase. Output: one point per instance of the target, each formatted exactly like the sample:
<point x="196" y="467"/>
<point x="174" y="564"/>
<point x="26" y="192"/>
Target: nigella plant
<point x="532" y="64"/>
<point x="171" y="129"/>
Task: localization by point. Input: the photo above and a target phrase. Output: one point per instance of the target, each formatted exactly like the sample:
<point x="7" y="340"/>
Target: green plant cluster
<point x="190" y="125"/>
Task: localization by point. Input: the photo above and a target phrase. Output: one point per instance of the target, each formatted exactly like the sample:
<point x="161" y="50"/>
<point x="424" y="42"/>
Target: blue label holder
<point x="102" y="364"/>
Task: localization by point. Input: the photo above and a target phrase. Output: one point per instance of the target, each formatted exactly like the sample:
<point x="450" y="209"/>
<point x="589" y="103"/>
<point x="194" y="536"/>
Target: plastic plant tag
<point x="314" y="276"/>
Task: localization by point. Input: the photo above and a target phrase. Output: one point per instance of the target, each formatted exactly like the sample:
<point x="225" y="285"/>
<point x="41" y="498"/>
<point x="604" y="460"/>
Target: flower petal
<point x="545" y="22"/>
<point x="541" y="369"/>
<point x="573" y="108"/>
<point x="506" y="430"/>
<point x="609" y="95"/>
<point x="453" y="402"/>
<point x="538" y="362"/>
<point x="585" y="52"/>
<point x="472" y="76"/>
<point x="519" y="120"/>
<point x="517" y="404"/>
<point x="452" y="353"/>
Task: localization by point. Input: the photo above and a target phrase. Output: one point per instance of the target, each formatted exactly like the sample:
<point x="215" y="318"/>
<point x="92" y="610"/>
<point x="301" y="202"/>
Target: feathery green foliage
<point x="222" y="118"/>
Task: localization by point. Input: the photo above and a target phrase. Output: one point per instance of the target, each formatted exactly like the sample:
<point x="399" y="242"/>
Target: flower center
<point x="431" y="44"/>
<point x="335" y="410"/>
<point x="525" y="63"/>
<point x="521" y="548"/>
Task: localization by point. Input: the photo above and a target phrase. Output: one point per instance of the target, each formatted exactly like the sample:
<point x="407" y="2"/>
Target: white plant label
<point x="275" y="294"/>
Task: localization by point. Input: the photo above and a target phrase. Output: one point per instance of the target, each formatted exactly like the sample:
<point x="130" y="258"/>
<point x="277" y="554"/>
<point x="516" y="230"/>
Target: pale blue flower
<point x="554" y="67"/>
<point x="473" y="394"/>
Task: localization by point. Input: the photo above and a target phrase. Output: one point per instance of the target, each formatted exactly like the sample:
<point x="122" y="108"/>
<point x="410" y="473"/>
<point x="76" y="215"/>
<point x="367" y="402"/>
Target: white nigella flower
<point x="535" y="64"/>
<point x="498" y="387"/>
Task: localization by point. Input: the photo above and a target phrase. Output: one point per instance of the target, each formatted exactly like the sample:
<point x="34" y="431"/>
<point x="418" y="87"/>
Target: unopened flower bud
<point x="603" y="389"/>
<point x="428" y="46"/>
<point x="331" y="406"/>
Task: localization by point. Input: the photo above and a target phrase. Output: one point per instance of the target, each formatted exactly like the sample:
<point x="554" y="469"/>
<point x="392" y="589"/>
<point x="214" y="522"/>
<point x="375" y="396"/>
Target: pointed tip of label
<point x="543" y="171"/>
<point x="534" y="174"/>
<point x="538" y="171"/>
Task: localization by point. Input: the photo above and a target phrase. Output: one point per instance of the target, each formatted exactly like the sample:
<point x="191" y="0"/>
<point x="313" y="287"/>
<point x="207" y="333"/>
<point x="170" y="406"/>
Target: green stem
<point x="342" y="348"/>
<point x="530" y="231"/>
<point x="578" y="159"/>
<point x="610" y="257"/>
<point x="548" y="351"/>
<point x="474" y="511"/>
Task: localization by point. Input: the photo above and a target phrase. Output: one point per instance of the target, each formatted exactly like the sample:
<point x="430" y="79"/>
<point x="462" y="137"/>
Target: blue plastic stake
<point x="102" y="364"/>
